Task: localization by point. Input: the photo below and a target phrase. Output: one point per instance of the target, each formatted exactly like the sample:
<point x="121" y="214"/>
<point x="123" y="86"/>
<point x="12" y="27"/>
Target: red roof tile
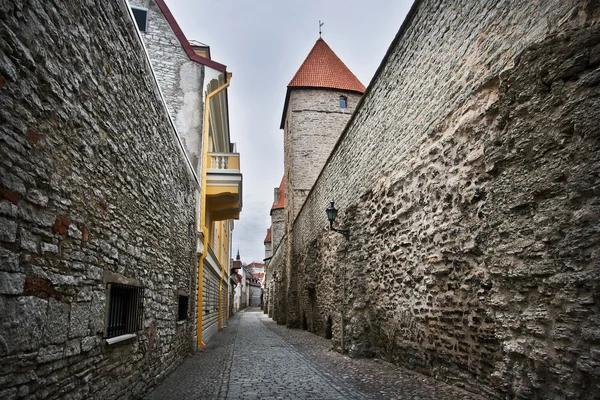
<point x="184" y="42"/>
<point x="281" y="203"/>
<point x="324" y="69"/>
<point x="268" y="237"/>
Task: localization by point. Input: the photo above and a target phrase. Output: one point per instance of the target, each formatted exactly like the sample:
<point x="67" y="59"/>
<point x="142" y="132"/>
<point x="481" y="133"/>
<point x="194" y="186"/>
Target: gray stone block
<point x="79" y="319"/>
<point x="8" y="230"/>
<point x="57" y="323"/>
<point x="22" y="323"/>
<point x="11" y="283"/>
<point x="50" y="353"/>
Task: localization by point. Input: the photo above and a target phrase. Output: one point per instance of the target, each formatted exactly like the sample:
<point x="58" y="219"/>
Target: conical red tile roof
<point x="324" y="69"/>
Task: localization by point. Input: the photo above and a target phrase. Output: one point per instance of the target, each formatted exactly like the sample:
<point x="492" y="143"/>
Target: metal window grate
<point x="125" y="309"/>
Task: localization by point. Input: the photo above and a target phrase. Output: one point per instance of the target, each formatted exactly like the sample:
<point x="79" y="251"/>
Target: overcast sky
<point x="263" y="43"/>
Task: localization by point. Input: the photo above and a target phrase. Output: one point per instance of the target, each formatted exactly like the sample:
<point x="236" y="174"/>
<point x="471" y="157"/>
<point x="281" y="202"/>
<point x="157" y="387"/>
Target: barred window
<point x="125" y="309"/>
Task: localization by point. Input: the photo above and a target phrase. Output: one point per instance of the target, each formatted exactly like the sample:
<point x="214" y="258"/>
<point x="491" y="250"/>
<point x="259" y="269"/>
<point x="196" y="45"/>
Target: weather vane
<point x="320" y="25"/>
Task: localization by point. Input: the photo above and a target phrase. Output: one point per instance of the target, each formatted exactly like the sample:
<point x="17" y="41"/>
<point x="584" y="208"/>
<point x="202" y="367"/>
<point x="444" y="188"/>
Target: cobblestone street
<point x="254" y="358"/>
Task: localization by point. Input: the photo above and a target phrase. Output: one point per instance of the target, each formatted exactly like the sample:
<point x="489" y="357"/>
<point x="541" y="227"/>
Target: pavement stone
<point x="254" y="358"/>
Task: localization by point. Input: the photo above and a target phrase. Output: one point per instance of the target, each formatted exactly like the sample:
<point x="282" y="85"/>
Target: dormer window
<point x="343" y="102"/>
<point x="141" y="18"/>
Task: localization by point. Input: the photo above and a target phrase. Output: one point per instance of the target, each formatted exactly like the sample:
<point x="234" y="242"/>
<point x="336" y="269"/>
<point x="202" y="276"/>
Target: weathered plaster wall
<point x="181" y="80"/>
<point x="469" y="178"/>
<point x="91" y="181"/>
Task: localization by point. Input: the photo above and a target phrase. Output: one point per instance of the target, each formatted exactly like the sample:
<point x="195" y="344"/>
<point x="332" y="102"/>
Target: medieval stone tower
<point x="319" y="101"/>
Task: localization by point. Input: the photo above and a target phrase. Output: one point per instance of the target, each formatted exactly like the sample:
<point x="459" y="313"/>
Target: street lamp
<point x="331" y="216"/>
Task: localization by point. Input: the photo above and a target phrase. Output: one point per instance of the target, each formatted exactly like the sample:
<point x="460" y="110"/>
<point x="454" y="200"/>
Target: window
<point x="183" y="308"/>
<point x="141" y="18"/>
<point x="343" y="102"/>
<point x="125" y="309"/>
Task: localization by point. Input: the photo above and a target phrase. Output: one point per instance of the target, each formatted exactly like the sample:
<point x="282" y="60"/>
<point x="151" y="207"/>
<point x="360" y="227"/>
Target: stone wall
<point x="277" y="226"/>
<point x="313" y="125"/>
<point x="274" y="274"/>
<point x="181" y="79"/>
<point x="268" y="248"/>
<point x="93" y="184"/>
<point x="469" y="179"/>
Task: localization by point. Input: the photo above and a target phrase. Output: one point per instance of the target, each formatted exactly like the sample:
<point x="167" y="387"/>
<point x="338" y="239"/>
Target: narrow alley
<point x="254" y="358"/>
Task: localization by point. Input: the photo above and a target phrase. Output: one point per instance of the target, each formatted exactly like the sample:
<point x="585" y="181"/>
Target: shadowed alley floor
<point x="254" y="358"/>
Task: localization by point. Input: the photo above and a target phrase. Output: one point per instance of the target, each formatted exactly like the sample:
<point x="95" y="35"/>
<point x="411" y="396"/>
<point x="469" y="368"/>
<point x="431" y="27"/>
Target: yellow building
<point x="194" y="88"/>
<point x="220" y="204"/>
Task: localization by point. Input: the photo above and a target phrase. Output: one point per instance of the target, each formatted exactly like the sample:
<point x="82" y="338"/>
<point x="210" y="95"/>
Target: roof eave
<point x="187" y="47"/>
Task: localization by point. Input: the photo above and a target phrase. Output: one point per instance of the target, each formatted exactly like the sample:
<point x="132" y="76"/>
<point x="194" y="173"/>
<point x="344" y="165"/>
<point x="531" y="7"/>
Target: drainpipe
<point x="203" y="204"/>
<point x="220" y="312"/>
<point x="342" y="327"/>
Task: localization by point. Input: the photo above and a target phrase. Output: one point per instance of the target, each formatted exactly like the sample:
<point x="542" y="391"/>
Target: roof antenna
<point x="320" y="25"/>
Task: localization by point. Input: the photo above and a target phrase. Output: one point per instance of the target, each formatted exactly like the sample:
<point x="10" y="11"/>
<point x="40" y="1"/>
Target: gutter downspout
<point x="209" y="96"/>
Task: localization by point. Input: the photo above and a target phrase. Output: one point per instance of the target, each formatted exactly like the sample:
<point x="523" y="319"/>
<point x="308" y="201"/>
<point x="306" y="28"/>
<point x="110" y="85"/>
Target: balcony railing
<point x="224" y="161"/>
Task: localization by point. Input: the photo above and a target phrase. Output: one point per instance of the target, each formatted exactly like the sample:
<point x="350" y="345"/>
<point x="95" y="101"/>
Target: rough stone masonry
<point x="469" y="177"/>
<point x="93" y="186"/>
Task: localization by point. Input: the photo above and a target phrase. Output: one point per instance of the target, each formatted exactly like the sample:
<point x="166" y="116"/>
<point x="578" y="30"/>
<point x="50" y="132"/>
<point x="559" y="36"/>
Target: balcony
<point x="224" y="186"/>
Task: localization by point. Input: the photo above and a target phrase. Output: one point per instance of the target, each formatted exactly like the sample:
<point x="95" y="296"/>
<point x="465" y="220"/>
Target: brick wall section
<point x="469" y="179"/>
<point x="91" y="181"/>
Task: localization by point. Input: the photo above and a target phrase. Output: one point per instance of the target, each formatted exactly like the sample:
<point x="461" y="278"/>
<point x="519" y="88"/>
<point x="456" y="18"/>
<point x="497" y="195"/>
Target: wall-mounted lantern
<point x="331" y="216"/>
